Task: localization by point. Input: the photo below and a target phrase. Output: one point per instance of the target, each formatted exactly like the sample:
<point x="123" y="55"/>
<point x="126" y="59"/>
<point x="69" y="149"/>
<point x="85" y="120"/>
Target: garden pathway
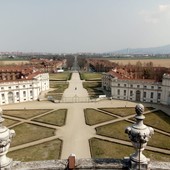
<point x="75" y="133"/>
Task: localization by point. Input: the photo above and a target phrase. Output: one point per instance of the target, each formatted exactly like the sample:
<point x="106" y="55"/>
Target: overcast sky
<point x="69" y="26"/>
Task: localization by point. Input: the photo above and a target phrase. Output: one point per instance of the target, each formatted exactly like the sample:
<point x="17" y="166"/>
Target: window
<point x="144" y="94"/>
<point x="124" y="85"/>
<point x="9" y="87"/>
<point x="145" y="87"/>
<point x="131" y="93"/>
<point x="159" y="87"/>
<point x="118" y="84"/>
<point x="138" y="86"/>
<point x="124" y="92"/>
<point x="31" y="93"/>
<point x="24" y="93"/>
<point x="30" y="85"/>
<point x="118" y="92"/>
<point x="24" y="86"/>
<point x="131" y="85"/>
<point x="16" y="87"/>
<point x="3" y="96"/>
<point x="2" y="88"/>
<point x="17" y="94"/>
<point x="159" y="95"/>
<point x="152" y="87"/>
<point x="151" y="94"/>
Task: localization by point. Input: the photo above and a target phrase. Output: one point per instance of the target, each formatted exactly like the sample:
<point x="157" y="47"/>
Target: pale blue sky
<point x="69" y="26"/>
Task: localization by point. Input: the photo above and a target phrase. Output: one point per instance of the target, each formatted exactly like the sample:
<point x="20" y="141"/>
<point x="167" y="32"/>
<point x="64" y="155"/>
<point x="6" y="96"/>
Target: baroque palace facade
<point x="20" y="84"/>
<point x="140" y="90"/>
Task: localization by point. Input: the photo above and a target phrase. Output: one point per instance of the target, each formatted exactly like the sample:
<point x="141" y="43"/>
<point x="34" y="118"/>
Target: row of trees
<point x="137" y="71"/>
<point x="146" y="71"/>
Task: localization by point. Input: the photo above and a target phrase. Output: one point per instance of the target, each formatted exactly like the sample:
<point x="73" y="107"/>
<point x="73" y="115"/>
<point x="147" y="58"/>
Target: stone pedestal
<point x="139" y="135"/>
<point x="139" y="166"/>
<point x="5" y="141"/>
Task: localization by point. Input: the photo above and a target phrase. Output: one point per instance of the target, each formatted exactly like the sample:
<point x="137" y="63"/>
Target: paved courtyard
<point x="75" y="134"/>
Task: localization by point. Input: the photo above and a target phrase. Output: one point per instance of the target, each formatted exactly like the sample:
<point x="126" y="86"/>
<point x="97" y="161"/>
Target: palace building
<point x="124" y="87"/>
<point x="20" y="84"/>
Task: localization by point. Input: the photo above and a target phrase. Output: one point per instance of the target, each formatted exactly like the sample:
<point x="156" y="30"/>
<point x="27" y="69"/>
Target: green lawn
<point x="46" y="151"/>
<point x="25" y="113"/>
<point x="58" y="91"/>
<point x="93" y="116"/>
<point x="117" y="130"/>
<point x="59" y="87"/>
<point x="124" y="111"/>
<point x="159" y="120"/>
<point x="105" y="149"/>
<point x="57" y="117"/>
<point x="26" y="132"/>
<point x="114" y="130"/>
<point x="159" y="140"/>
<point x="9" y="122"/>
<point x="93" y="88"/>
<point x="60" y="76"/>
<point x="91" y="76"/>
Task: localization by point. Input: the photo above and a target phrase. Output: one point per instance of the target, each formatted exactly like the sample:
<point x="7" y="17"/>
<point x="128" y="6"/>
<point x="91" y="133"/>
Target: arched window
<point x="138" y="95"/>
<point x="10" y="97"/>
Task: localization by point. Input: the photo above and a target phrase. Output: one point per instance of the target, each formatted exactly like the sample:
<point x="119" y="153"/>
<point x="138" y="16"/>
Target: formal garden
<point x="92" y="83"/>
<point x="87" y="76"/>
<point x="35" y="133"/>
<point x="58" y="84"/>
<point x="112" y="141"/>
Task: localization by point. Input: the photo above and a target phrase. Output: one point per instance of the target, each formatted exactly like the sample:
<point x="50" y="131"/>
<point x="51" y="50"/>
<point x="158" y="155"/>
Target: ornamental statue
<point x="139" y="135"/>
<point x="5" y="140"/>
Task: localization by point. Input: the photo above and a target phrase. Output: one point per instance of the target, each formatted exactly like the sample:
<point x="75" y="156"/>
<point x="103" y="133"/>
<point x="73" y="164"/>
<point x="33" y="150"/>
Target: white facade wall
<point x="136" y="90"/>
<point x="166" y="89"/>
<point x="21" y="91"/>
<point x="106" y="82"/>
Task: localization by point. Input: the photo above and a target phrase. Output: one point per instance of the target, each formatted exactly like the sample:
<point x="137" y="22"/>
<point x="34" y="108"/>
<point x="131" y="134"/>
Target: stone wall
<point x="114" y="164"/>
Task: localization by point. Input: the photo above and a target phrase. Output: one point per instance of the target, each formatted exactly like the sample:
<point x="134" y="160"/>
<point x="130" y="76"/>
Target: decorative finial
<point x="139" y="111"/>
<point x="1" y="119"/>
<point x="139" y="135"/>
<point x="5" y="141"/>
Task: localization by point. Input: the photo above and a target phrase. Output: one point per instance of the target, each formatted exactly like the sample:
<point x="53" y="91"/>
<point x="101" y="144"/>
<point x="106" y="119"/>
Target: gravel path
<point x="76" y="133"/>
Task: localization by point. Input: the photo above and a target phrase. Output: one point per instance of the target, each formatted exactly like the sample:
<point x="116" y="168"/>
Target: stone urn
<point x="5" y="141"/>
<point x="139" y="135"/>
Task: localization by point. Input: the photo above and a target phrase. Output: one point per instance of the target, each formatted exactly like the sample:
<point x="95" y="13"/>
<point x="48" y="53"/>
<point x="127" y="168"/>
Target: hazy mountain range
<point x="153" y="50"/>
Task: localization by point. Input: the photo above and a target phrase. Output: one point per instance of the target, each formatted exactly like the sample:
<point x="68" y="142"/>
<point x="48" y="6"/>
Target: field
<point x="156" y="62"/>
<point x="16" y="62"/>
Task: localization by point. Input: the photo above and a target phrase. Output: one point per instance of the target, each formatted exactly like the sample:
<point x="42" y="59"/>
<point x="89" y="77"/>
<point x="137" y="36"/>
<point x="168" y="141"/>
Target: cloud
<point x="163" y="8"/>
<point x="157" y="15"/>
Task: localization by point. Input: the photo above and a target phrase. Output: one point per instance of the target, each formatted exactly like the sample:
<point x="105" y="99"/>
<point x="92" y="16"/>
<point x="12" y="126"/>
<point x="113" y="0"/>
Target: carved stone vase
<point x="5" y="140"/>
<point x="139" y="135"/>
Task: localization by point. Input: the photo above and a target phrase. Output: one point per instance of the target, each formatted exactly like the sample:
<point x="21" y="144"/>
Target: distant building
<point x="46" y="65"/>
<point x="140" y="90"/>
<point x="20" y="84"/>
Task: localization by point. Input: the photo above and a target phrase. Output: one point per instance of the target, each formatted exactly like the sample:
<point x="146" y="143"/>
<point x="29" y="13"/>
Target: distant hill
<point x="154" y="50"/>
